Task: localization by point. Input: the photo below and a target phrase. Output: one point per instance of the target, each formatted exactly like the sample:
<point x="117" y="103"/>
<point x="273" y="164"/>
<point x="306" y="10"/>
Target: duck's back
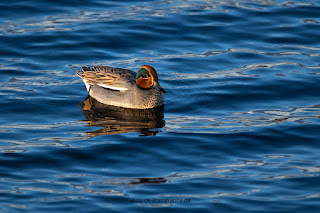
<point x="106" y="69"/>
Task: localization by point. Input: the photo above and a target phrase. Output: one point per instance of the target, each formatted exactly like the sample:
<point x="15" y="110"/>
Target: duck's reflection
<point x="117" y="120"/>
<point x="148" y="180"/>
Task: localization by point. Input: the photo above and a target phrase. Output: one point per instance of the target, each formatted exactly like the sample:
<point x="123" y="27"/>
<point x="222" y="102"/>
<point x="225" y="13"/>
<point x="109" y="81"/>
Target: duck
<point x="122" y="87"/>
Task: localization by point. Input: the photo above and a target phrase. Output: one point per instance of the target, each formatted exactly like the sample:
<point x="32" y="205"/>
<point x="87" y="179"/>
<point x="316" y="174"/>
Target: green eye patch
<point x="143" y="73"/>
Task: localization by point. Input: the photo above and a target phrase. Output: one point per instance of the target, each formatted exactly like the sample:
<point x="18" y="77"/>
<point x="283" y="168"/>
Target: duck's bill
<point x="162" y="90"/>
<point x="159" y="87"/>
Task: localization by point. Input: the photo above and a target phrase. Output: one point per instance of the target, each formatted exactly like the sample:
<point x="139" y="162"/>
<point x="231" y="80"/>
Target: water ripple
<point x="239" y="72"/>
<point x="41" y="126"/>
<point x="240" y="121"/>
<point x="135" y="12"/>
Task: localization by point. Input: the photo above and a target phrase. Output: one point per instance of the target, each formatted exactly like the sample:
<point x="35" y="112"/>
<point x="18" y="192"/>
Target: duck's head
<point x="147" y="77"/>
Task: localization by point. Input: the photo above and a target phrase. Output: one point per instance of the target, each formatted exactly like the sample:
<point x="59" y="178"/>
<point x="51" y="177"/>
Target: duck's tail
<point x="79" y="73"/>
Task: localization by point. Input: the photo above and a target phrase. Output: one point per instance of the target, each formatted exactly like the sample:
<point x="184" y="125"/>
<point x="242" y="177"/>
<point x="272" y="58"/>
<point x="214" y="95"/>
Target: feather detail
<point x="107" y="77"/>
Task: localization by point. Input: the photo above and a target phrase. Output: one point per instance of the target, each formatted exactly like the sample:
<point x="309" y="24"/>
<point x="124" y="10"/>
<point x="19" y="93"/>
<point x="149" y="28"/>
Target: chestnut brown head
<point x="147" y="77"/>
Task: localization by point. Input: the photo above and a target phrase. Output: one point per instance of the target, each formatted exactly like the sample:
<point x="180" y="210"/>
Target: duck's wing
<point x="108" y="77"/>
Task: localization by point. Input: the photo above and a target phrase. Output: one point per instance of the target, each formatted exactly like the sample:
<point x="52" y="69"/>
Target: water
<point x="239" y="131"/>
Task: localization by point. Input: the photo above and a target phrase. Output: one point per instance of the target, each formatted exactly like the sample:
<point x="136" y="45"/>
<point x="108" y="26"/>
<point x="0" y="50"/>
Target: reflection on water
<point x="240" y="121"/>
<point x="115" y="120"/>
<point x="66" y="22"/>
<point x="241" y="72"/>
<point x="122" y="186"/>
<point x="138" y="12"/>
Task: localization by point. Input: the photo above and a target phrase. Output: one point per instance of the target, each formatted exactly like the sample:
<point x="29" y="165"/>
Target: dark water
<point x="240" y="127"/>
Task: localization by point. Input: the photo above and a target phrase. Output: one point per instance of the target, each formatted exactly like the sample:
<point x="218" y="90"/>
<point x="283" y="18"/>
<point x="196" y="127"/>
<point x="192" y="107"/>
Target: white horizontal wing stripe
<point x="110" y="87"/>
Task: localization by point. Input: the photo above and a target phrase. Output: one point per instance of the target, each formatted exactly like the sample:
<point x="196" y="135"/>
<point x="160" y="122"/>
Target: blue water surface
<point x="239" y="131"/>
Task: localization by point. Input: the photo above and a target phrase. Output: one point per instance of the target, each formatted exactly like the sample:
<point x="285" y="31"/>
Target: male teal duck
<point x="122" y="87"/>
